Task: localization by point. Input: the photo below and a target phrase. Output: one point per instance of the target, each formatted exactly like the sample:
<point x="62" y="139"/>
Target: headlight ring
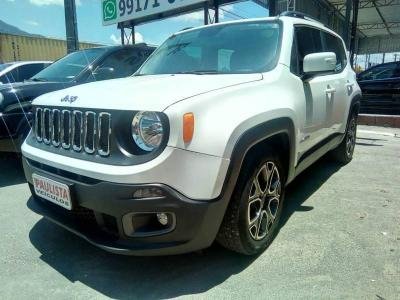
<point x="147" y="130"/>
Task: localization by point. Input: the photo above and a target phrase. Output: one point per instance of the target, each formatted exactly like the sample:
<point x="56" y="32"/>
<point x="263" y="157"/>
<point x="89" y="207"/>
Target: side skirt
<point x="317" y="151"/>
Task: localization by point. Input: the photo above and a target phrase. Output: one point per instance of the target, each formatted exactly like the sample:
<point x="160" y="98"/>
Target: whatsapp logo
<point x="109" y="10"/>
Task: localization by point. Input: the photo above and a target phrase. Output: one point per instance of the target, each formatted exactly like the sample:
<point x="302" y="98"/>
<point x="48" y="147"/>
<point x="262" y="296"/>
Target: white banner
<point x="115" y="11"/>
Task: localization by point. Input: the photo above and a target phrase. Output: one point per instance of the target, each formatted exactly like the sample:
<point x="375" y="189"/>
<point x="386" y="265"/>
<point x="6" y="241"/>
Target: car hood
<point x="152" y="92"/>
<point x="21" y="93"/>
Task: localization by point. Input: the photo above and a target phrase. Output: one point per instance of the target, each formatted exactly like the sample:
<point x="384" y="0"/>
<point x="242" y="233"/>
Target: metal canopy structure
<point x="377" y="30"/>
<point x="128" y="27"/>
<point x="378" y="21"/>
<point x="378" y="25"/>
<point x="379" y="17"/>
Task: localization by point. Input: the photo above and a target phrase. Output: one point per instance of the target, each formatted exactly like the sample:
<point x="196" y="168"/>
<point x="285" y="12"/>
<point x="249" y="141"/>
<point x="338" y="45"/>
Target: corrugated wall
<point x="17" y="47"/>
<point x="379" y="44"/>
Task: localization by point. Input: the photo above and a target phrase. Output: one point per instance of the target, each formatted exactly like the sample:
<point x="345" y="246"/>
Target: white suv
<point x="200" y="143"/>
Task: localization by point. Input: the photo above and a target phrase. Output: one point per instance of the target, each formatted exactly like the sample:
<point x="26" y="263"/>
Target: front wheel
<point x="344" y="152"/>
<point x="252" y="218"/>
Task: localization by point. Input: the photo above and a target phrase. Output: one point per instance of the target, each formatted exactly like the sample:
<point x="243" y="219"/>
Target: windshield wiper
<point x="38" y="79"/>
<point x="199" y="72"/>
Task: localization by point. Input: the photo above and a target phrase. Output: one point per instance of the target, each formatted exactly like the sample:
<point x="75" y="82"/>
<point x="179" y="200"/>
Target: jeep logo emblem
<point x="69" y="99"/>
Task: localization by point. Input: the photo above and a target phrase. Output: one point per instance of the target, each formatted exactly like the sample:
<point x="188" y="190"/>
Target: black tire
<point x="235" y="232"/>
<point x="344" y="152"/>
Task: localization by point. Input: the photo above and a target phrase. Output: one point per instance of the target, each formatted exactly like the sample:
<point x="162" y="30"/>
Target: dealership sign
<point x="115" y="11"/>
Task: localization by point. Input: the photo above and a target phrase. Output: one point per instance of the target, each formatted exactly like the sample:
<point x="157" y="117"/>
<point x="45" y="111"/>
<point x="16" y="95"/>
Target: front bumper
<point x="99" y="208"/>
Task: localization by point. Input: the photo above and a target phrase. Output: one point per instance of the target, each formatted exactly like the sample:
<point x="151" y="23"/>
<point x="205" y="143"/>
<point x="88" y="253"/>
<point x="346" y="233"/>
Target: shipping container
<point x="19" y="48"/>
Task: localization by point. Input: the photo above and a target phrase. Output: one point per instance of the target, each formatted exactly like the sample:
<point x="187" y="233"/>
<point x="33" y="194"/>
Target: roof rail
<point x="299" y="15"/>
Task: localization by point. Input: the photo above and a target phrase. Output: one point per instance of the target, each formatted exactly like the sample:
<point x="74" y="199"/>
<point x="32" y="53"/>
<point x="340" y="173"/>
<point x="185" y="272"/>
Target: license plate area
<point x="53" y="191"/>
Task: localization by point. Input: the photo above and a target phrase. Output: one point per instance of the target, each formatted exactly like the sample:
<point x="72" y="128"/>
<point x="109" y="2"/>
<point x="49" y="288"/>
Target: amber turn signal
<point x="188" y="127"/>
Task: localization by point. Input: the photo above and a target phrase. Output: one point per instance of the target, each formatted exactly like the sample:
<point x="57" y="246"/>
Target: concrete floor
<point x="340" y="238"/>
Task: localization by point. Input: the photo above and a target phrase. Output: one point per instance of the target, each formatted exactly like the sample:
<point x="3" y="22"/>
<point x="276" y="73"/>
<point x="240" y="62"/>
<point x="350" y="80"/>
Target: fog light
<point x="162" y="218"/>
<point x="136" y="224"/>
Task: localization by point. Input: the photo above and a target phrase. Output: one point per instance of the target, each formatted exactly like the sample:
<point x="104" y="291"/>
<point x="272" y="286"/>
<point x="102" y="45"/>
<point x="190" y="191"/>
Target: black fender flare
<point x="252" y="137"/>
<point x="355" y="104"/>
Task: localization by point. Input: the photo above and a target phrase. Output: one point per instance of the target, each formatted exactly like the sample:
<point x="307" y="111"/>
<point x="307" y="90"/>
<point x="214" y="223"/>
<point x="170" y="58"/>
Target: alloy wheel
<point x="351" y="137"/>
<point x="264" y="200"/>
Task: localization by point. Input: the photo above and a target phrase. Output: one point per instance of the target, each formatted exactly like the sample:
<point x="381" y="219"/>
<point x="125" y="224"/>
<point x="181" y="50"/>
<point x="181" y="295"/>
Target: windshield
<point x="4" y="66"/>
<point x="67" y="68"/>
<point x="224" y="49"/>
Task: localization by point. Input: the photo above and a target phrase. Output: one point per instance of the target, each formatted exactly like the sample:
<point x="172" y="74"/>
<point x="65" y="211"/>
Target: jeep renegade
<point x="200" y="143"/>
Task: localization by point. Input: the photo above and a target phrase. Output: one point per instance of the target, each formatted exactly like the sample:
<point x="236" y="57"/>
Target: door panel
<point x="316" y="112"/>
<point x="308" y="40"/>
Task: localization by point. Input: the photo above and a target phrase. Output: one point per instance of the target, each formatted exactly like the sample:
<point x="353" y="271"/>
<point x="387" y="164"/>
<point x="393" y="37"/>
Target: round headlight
<point x="147" y="130"/>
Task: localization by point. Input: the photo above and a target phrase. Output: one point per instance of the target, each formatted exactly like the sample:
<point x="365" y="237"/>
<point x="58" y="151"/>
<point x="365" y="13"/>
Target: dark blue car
<point x="83" y="66"/>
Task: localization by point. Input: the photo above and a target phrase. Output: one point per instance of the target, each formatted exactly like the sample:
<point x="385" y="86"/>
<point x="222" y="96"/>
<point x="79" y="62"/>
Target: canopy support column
<point x="354" y="30"/>
<point x="347" y="34"/>
<point x="206" y="13"/>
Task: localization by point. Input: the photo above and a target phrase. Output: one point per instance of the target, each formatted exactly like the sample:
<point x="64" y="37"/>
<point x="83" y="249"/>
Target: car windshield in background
<point x="5" y="66"/>
<point x="224" y="49"/>
<point x="67" y="68"/>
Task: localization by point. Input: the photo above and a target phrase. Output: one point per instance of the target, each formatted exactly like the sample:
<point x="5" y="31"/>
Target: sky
<point x="46" y="17"/>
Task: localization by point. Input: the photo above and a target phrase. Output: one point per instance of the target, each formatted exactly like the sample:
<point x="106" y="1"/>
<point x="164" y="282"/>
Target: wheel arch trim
<point x="253" y="136"/>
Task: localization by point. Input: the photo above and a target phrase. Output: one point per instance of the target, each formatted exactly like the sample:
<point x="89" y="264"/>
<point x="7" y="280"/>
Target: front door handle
<point x="330" y="90"/>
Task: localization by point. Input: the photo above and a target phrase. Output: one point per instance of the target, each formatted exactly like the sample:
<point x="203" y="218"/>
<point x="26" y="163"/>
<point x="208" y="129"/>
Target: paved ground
<point x="340" y="239"/>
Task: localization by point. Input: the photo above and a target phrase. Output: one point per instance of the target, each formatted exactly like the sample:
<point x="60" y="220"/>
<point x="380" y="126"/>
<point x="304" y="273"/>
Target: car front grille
<point x="74" y="129"/>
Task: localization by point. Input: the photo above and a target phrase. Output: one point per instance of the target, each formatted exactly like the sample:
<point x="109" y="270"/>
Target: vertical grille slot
<point x="46" y="129"/>
<point x="38" y="124"/>
<point x="104" y="134"/>
<point x="77" y="130"/>
<point x="90" y="132"/>
<point x="66" y="129"/>
<point x="56" y="123"/>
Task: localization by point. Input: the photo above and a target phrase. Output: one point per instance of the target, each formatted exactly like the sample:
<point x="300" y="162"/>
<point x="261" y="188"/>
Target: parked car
<point x="19" y="71"/>
<point x="380" y="86"/>
<point x="200" y="144"/>
<point x="88" y="65"/>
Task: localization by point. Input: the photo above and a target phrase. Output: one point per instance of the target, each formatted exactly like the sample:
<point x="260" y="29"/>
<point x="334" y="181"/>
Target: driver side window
<point x="381" y="72"/>
<point x="307" y="40"/>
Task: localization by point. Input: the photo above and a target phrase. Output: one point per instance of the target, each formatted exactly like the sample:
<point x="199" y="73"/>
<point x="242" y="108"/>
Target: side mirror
<point x="319" y="63"/>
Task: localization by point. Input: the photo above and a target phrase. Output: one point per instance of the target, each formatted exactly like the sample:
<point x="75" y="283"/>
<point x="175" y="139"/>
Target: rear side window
<point x="308" y="41"/>
<point x="333" y="44"/>
<point x="24" y="72"/>
<point x="27" y="71"/>
<point x="13" y="75"/>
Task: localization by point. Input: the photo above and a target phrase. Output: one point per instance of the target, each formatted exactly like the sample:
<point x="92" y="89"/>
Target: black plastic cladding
<point x="123" y="149"/>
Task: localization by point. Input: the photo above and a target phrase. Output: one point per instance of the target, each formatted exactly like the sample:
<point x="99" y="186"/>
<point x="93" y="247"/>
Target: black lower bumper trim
<point x="99" y="208"/>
